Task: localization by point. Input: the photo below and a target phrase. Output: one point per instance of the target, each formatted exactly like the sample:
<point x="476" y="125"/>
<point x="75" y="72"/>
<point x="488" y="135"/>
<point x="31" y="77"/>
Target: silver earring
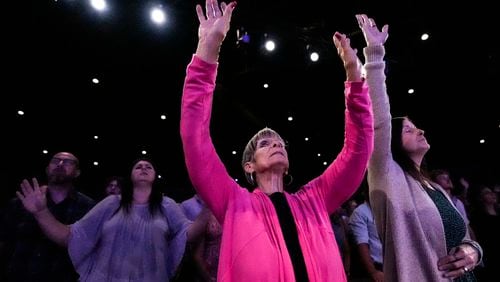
<point x="289" y="180"/>
<point x="250" y="178"/>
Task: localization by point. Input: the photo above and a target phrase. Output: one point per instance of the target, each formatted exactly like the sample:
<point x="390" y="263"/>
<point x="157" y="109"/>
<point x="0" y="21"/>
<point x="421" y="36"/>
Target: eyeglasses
<point x="265" y="142"/>
<point x="66" y="162"/>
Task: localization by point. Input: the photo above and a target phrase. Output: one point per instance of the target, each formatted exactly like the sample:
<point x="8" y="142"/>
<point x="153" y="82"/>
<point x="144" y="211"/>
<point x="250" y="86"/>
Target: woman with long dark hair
<point x="139" y="235"/>
<point x="424" y="237"/>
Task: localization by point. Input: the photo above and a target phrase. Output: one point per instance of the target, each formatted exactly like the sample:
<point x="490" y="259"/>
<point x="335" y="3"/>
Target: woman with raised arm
<point x="269" y="234"/>
<point x="424" y="237"/>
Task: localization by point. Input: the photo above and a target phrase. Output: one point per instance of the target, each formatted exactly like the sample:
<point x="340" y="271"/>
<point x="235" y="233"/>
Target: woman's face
<point x="413" y="138"/>
<point x="143" y="171"/>
<point x="270" y="153"/>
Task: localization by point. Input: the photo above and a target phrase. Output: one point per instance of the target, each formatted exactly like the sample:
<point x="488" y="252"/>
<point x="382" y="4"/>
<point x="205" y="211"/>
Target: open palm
<point x="33" y="196"/>
<point x="373" y="36"/>
<point x="215" y="24"/>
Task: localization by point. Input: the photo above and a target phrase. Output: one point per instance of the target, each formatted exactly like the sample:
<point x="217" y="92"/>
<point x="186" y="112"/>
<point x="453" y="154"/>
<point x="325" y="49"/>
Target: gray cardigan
<point x="408" y="221"/>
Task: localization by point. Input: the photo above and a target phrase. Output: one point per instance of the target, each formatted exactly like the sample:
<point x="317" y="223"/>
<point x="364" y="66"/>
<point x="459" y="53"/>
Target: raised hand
<point x="213" y="28"/>
<point x="372" y="34"/>
<point x="33" y="196"/>
<point x="348" y="55"/>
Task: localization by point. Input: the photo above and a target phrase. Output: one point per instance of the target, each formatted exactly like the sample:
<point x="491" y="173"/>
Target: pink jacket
<point x="253" y="247"/>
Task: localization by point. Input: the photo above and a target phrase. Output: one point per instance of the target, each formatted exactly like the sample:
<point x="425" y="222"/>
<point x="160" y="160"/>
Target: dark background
<point x="53" y="49"/>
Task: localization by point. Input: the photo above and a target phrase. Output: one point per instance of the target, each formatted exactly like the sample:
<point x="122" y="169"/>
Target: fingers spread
<point x="20" y="195"/>
<point x="217" y="9"/>
<point x="228" y="9"/>
<point x="362" y="19"/>
<point x="26" y="187"/>
<point x="336" y="39"/>
<point x="199" y="12"/>
<point x="35" y="184"/>
<point x="209" y="8"/>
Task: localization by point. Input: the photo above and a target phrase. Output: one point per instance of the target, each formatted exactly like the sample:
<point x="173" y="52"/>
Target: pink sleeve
<point x="343" y="177"/>
<point x="206" y="171"/>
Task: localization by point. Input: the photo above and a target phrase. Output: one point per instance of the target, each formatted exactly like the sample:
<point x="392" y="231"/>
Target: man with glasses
<point x="28" y="254"/>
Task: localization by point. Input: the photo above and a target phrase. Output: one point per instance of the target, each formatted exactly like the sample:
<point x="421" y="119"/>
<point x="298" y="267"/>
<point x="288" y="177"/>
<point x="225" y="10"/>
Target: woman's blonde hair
<point x="248" y="154"/>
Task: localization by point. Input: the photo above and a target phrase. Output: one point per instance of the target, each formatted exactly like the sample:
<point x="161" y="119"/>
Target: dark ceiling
<point x="55" y="48"/>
